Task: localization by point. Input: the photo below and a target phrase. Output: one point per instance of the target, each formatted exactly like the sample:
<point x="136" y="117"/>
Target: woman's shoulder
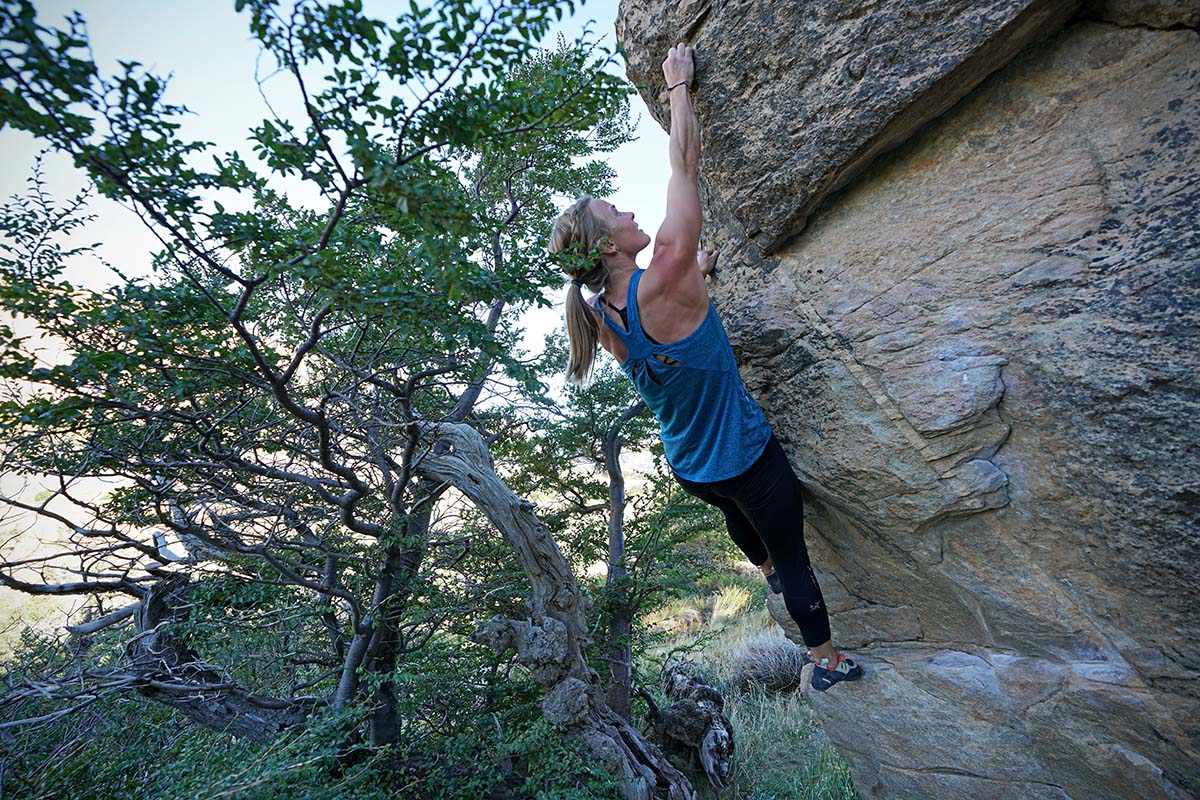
<point x="668" y="274"/>
<point x="669" y="309"/>
<point x="607" y="338"/>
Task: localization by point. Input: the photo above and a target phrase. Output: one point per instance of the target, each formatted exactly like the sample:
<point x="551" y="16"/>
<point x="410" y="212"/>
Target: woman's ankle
<point x="824" y="651"/>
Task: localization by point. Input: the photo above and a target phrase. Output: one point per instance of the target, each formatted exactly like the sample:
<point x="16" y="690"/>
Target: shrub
<point x="770" y="663"/>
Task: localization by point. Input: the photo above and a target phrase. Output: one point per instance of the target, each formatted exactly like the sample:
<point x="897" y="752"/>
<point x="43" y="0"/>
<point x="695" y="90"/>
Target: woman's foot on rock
<point x="825" y="675"/>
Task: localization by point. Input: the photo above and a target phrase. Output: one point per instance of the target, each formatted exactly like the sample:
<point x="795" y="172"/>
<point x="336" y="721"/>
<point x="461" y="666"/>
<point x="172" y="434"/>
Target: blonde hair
<point x="575" y="243"/>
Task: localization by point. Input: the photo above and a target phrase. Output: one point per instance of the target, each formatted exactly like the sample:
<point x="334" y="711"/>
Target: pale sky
<point x="207" y="50"/>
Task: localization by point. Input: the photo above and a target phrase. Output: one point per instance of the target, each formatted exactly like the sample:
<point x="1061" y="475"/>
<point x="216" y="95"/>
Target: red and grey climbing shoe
<point x="825" y="675"/>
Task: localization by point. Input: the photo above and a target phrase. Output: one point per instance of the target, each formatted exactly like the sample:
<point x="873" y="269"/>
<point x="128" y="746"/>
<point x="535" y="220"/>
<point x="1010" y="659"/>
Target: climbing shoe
<point x="825" y="675"/>
<point x="774" y="582"/>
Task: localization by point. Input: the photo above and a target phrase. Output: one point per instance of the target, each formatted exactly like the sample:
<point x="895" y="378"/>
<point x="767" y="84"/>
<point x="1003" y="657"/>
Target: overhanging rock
<point x="798" y="98"/>
<point x="981" y="357"/>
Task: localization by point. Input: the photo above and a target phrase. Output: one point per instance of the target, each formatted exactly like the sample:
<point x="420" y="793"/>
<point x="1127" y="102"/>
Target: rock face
<point x="982" y="357"/>
<point x="1151" y="13"/>
<point x="799" y="97"/>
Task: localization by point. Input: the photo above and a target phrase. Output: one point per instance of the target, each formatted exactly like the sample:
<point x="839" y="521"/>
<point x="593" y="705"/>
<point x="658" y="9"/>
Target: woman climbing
<point x="659" y="325"/>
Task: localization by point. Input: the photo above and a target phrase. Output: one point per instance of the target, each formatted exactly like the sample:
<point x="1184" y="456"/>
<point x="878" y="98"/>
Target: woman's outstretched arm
<point x="675" y="247"/>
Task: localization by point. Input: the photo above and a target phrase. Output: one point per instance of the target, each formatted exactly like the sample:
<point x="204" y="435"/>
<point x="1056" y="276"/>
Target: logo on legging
<point x="815" y="606"/>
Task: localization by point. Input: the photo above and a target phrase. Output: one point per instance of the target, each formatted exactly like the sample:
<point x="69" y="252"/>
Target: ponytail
<point x="583" y="335"/>
<point x="574" y="243"/>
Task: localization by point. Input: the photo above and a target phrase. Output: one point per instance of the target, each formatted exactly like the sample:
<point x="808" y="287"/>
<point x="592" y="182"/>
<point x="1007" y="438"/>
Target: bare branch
<point x="111" y="618"/>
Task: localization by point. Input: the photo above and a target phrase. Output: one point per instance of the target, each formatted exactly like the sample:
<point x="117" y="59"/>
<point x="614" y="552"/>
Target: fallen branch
<point x="111" y="618"/>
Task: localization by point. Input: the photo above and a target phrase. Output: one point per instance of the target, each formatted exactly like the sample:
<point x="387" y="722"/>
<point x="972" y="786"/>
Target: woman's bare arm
<point x="673" y="265"/>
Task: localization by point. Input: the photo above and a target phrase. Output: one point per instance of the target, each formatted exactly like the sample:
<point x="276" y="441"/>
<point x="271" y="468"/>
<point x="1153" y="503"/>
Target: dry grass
<point x="729" y="602"/>
<point x="770" y="663"/>
<point x="782" y="754"/>
<point x="678" y="618"/>
<point x="726" y="606"/>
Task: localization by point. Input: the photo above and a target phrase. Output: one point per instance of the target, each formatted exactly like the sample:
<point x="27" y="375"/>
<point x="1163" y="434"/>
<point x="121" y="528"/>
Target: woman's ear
<point x="607" y="247"/>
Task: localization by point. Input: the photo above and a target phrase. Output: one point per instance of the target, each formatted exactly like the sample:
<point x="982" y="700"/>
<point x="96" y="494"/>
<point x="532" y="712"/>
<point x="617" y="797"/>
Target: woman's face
<point x="623" y="231"/>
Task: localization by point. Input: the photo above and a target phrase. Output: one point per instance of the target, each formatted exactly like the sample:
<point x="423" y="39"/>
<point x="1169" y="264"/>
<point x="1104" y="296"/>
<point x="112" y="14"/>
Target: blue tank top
<point x="712" y="429"/>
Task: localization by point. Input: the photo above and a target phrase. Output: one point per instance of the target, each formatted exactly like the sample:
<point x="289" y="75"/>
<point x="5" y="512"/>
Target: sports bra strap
<point x="638" y="346"/>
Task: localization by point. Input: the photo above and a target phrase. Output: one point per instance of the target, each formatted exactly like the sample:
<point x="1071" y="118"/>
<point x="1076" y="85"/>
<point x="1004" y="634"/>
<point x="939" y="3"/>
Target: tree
<point x="571" y="451"/>
<point x="295" y="389"/>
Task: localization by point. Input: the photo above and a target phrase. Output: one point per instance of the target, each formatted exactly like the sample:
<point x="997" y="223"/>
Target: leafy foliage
<point x="257" y="400"/>
<point x="257" y="404"/>
<point x="474" y="730"/>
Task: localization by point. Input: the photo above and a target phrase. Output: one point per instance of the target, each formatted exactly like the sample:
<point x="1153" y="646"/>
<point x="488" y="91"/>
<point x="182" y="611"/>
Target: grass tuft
<point x="770" y="663"/>
<point x="782" y="754"/>
<point x="729" y="602"/>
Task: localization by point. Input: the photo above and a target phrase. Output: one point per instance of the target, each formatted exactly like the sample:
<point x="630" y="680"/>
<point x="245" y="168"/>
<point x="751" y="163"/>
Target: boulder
<point x="981" y="358"/>
<point x="798" y="98"/>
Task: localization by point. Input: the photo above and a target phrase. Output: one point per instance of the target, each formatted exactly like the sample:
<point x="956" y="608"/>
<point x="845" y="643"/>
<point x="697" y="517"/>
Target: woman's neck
<point x="620" y="267"/>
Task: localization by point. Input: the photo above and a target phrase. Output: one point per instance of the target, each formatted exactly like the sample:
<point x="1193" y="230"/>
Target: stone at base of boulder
<point x="905" y="734"/>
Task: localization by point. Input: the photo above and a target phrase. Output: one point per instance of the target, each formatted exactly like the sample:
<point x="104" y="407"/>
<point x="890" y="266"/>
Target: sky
<point x="207" y="50"/>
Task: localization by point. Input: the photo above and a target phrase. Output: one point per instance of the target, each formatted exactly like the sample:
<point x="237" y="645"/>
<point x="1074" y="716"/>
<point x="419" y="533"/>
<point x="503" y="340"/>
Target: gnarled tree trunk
<point x="620" y="623"/>
<point x="165" y="670"/>
<point x="550" y="644"/>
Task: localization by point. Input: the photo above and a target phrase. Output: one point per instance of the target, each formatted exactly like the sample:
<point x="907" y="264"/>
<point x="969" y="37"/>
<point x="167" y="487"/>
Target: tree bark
<point x="620" y="625"/>
<point x="694" y="725"/>
<point x="172" y="674"/>
<point x="384" y="726"/>
<point x="550" y="644"/>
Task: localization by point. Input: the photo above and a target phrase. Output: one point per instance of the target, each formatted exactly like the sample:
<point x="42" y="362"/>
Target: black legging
<point x="764" y="513"/>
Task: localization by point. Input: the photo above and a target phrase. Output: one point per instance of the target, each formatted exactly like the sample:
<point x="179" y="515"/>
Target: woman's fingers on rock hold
<point x="678" y="64"/>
